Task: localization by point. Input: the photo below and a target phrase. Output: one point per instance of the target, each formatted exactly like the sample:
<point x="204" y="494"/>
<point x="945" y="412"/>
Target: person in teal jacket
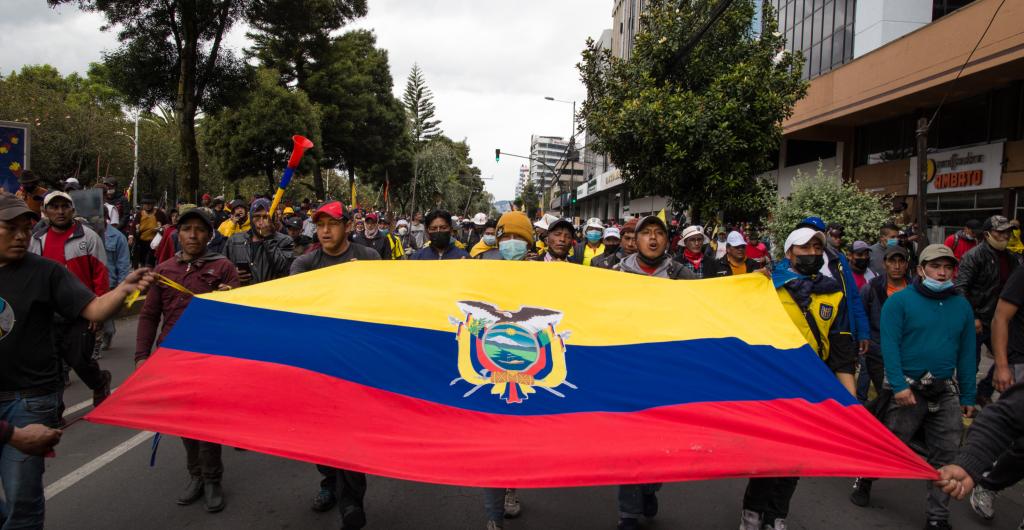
<point x="927" y="333"/>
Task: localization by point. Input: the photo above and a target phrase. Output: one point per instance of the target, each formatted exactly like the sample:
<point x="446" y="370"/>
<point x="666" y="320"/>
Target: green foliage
<point x="75" y="123"/>
<point x="695" y="125"/>
<point x="419" y="106"/>
<point x="254" y="138"/>
<point x="448" y="179"/>
<point x="825" y="195"/>
<point x="529" y="198"/>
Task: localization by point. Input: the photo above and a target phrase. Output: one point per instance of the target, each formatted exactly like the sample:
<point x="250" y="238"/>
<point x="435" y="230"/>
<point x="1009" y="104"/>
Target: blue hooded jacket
<point x="843" y="274"/>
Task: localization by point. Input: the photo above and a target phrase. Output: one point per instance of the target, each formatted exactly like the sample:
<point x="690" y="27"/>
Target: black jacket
<point x="720" y="267"/>
<point x="874" y="294"/>
<point x="992" y="432"/>
<point x="268" y="259"/>
<point x="978" y="279"/>
<point x="379" y="243"/>
<point x="607" y="260"/>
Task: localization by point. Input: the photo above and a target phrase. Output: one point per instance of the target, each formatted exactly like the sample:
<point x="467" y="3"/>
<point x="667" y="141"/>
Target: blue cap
<point x="812" y="222"/>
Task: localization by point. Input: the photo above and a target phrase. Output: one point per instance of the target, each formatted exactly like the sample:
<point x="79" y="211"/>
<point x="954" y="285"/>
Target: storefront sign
<point x="963" y="169"/>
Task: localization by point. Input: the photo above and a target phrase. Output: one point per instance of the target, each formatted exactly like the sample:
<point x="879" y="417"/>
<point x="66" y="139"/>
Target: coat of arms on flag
<point x="511" y="351"/>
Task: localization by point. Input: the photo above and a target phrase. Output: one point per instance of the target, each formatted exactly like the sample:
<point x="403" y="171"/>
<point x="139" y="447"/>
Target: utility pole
<point x="135" y="169"/>
<point x="922" y="180"/>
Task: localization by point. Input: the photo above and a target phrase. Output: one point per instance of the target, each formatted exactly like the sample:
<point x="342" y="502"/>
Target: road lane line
<point x="80" y="406"/>
<point x="72" y="478"/>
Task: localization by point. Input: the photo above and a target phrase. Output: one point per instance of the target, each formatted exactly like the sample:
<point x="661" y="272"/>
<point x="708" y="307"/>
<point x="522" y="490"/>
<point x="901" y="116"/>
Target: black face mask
<point x="861" y="263"/>
<point x="808" y="265"/>
<point x="611" y="249"/>
<point x="440" y="240"/>
<point x="651" y="262"/>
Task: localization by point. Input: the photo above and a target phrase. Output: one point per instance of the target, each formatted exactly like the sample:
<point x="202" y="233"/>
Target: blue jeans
<point x="631" y="499"/>
<point x="494" y="504"/>
<point x="22" y="475"/>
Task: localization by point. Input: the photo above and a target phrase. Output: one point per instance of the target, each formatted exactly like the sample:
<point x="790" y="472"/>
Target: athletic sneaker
<point x="938" y="525"/>
<point x="983" y="502"/>
<point x="861" y="494"/>
<point x="493" y="525"/>
<point x="512" y="504"/>
<point x="750" y="520"/>
<point x="779" y="524"/>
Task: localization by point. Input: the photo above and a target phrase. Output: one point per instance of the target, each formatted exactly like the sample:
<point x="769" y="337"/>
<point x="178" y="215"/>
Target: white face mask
<point x="402" y="231"/>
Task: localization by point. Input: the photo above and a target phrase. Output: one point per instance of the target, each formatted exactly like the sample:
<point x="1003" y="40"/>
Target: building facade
<point x="860" y="115"/>
<point x="545" y="153"/>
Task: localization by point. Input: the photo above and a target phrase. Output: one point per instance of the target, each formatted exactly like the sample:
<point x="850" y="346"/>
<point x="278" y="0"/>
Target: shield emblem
<point x="825" y="311"/>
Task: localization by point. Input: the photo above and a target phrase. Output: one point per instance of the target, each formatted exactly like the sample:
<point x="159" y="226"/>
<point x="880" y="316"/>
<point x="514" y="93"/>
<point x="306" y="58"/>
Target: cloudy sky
<point x="490" y="64"/>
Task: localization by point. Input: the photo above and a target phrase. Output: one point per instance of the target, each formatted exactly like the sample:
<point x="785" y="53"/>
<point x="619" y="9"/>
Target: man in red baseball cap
<point x="370" y="236"/>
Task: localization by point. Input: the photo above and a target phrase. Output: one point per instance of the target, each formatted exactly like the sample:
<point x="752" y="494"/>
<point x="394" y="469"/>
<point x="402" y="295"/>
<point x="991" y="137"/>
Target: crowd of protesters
<point x="901" y="325"/>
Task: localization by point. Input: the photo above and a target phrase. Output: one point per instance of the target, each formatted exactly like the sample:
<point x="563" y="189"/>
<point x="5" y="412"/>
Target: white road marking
<point x="80" y="406"/>
<point x="72" y="478"/>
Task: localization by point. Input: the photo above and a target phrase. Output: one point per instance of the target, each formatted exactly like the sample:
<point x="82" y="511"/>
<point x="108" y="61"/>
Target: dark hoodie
<point x="201" y="275"/>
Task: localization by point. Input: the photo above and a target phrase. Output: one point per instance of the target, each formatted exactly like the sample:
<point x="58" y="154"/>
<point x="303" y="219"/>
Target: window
<point x="941" y="8"/>
<point x="821" y="29"/>
<point x="804" y="151"/>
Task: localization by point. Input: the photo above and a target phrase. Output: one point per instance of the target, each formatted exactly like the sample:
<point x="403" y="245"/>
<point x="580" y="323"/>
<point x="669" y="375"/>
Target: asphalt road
<point x="102" y="478"/>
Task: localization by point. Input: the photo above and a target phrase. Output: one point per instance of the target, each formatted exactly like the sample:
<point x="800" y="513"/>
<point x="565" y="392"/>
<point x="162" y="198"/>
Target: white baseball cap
<point x="57" y="195"/>
<point x="735" y="239"/>
<point x="801" y="236"/>
<point x="546" y="221"/>
<point x="611" y="231"/>
<point x="594" y="222"/>
<point x="480" y="219"/>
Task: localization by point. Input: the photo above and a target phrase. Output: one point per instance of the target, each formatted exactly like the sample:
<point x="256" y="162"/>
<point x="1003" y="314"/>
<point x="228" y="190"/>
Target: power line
<point x="964" y="66"/>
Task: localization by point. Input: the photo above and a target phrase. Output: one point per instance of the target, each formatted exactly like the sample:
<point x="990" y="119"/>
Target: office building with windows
<point x="546" y="152"/>
<point x="860" y="115"/>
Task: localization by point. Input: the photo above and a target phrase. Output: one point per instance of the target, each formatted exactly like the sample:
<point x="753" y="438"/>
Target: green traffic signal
<point x="497" y="155"/>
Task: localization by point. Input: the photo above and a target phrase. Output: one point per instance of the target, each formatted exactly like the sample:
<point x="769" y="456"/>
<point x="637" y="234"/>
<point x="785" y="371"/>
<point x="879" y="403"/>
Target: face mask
<point x="489" y="240"/>
<point x="889" y="243"/>
<point x="861" y="263"/>
<point x="440" y="240"/>
<point x="936" y="286"/>
<point x="594" y="236"/>
<point x="969" y="237"/>
<point x="371" y="233"/>
<point x="402" y="231"/>
<point x="995" y="243"/>
<point x="512" y="249"/>
<point x="611" y="249"/>
<point x="808" y="265"/>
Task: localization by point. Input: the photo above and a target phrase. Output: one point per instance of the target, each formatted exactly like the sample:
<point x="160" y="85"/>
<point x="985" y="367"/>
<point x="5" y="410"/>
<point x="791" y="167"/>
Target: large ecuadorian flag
<point x="489" y="373"/>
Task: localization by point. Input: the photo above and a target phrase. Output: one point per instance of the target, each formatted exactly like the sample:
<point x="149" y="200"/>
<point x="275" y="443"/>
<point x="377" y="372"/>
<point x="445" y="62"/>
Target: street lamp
<point x="572" y="142"/>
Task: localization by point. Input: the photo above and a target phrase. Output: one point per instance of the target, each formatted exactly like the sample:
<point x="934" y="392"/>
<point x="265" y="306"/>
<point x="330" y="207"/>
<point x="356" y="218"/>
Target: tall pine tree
<point x="419" y="106"/>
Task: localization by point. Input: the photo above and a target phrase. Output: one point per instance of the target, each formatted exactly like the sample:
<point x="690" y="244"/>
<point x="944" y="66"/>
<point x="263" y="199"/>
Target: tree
<point x="254" y="138"/>
<point x="529" y="198"/>
<point x="362" y="121"/>
<point x="695" y="124"/>
<point x="76" y="123"/>
<point x="419" y="107"/>
<point x="825" y="195"/>
<point x="171" y="52"/>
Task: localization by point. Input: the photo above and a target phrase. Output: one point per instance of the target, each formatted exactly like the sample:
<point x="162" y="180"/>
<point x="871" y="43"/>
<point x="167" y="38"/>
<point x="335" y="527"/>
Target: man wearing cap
<point x="371" y="237"/>
<point x="982" y="274"/>
<point x="199" y="271"/>
<point x="300" y="241"/>
<point x="874" y="294"/>
<point x="541" y="231"/>
<point x="477" y="232"/>
<point x="30" y="191"/>
<point x="239" y="220"/>
<point x="405" y="237"/>
<point x="860" y="264"/>
<point x="592" y="247"/>
<point x="928" y="346"/>
<point x="144" y="228"/>
<point x="693" y="256"/>
<point x="612" y="239"/>
<point x="652" y="257"/>
<point x="80" y="249"/>
<point x="559" y="243"/>
<point x="813" y="302"/>
<point x="964" y="240"/>
<point x="333" y="223"/>
<point x="488" y="241"/>
<point x="32" y="290"/>
<point x="262" y="253"/>
<point x="735" y="261"/>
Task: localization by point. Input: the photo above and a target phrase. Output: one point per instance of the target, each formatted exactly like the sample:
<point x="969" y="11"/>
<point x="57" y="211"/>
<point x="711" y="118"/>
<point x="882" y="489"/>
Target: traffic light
<point x="497" y="155"/>
<point x="573" y="197"/>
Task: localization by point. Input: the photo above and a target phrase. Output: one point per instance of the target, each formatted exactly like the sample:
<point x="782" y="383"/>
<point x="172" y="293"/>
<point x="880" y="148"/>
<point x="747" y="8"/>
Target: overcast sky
<point x="490" y="64"/>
